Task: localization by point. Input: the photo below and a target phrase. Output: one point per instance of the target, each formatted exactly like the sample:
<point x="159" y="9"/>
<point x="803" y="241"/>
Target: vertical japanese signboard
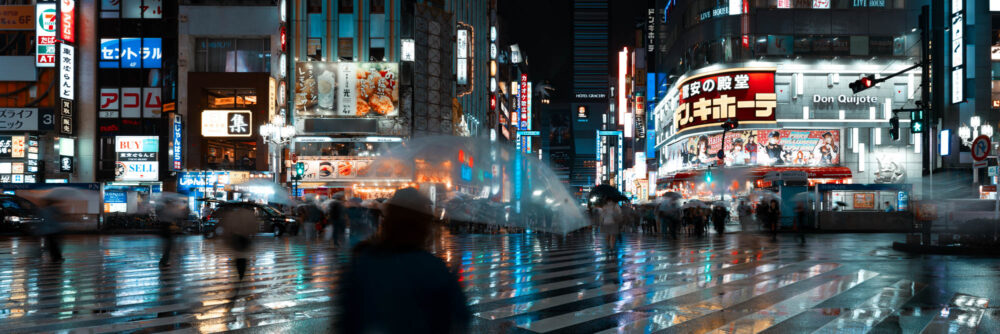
<point x="177" y="144"/>
<point x="66" y="59"/>
<point x="957" y="51"/>
<point x="746" y="95"/>
<point x="523" y="124"/>
<point x="67" y="20"/>
<point x="45" y="35"/>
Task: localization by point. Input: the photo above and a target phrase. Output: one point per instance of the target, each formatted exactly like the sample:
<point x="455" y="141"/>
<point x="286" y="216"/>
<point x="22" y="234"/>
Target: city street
<point x="738" y="283"/>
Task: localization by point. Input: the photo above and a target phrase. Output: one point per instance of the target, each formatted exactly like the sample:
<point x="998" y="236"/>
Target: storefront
<point x="792" y="117"/>
<point x="137" y="176"/>
<point x="205" y="189"/>
<point x="870" y="207"/>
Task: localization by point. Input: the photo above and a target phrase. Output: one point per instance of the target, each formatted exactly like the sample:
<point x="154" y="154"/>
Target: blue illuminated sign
<point x="115" y="197"/>
<point x="131" y="52"/>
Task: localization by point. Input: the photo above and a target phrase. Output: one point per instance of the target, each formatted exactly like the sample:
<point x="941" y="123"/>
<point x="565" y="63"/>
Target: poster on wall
<point x="864" y="201"/>
<point x="711" y="99"/>
<point x="324" y="89"/>
<point x="757" y="148"/>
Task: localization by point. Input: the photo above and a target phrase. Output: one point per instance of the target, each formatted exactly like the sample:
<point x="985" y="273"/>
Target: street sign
<point x="993" y="170"/>
<point x="529" y="133"/>
<point x="981" y="148"/>
<point x="979" y="164"/>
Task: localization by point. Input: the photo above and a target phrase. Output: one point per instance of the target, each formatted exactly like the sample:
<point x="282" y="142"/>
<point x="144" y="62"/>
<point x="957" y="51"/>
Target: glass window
<point x="345" y="49"/>
<point x="345" y="25"/>
<point x="233" y="55"/>
<point x="345" y="6"/>
<point x="314" y="6"/>
<point x="378" y="6"/>
<point x="224" y="98"/>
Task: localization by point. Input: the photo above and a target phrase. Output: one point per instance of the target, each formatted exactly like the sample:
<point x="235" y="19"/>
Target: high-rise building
<point x="590" y="49"/>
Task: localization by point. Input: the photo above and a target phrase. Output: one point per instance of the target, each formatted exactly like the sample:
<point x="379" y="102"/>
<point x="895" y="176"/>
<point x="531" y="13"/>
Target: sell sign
<point x="137" y="158"/>
<point x="45" y="34"/>
<point x="746" y="95"/>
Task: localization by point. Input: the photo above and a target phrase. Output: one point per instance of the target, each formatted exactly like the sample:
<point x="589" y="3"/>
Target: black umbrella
<point x="607" y="193"/>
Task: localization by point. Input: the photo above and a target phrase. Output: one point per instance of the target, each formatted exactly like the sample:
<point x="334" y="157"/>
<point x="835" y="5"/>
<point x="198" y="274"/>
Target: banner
<point x="757" y="148"/>
<point x="744" y="95"/>
<point x="325" y="89"/>
<point x="320" y="169"/>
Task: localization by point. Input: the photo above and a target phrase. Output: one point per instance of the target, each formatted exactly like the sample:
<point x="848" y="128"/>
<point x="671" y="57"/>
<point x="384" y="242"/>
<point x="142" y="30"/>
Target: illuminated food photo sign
<point x="324" y="89"/>
<point x="746" y="95"/>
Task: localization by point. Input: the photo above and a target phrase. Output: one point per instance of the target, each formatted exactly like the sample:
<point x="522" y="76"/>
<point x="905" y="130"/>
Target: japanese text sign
<point x="131" y="52"/>
<point x="743" y="94"/>
<point x="67" y="20"/>
<point x="45" y="34"/>
<point x="18" y="119"/>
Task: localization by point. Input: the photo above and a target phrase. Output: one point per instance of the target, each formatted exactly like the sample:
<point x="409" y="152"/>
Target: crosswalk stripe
<point x="960" y="317"/>
<point x="765" y="318"/>
<point x="861" y="319"/>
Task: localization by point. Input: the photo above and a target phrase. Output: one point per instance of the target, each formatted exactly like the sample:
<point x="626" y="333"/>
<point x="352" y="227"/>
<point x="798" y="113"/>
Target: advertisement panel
<point x="17" y="17"/>
<point x="226" y="123"/>
<point x="757" y="148"/>
<point x="45" y="35"/>
<point x="131" y="52"/>
<point x="746" y="95"/>
<point x="18" y="119"/>
<point x="67" y="20"/>
<point x="324" y="169"/>
<point x="130" y="101"/>
<point x="137" y="158"/>
<point x="325" y="89"/>
<point x="177" y="144"/>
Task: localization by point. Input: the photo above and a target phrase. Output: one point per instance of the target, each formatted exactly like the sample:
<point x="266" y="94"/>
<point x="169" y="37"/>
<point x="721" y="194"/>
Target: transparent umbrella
<point x="498" y="185"/>
<point x="261" y="189"/>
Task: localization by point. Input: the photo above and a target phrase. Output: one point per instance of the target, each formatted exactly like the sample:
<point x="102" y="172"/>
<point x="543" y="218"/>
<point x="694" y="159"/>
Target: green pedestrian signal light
<point x="708" y="177"/>
<point x="916" y="121"/>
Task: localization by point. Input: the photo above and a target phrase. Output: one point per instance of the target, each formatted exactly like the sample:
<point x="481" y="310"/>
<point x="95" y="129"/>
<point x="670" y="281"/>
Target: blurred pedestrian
<point x="336" y="221"/>
<point x="720" y="215"/>
<point x="773" y="215"/>
<point x="746" y="215"/>
<point x="393" y="284"/>
<point x="238" y="224"/>
<point x="611" y="216"/>
<point x="800" y="221"/>
<point x="311" y="217"/>
<point x="889" y="208"/>
<point x="359" y="220"/>
<point x="49" y="227"/>
<point x="171" y="212"/>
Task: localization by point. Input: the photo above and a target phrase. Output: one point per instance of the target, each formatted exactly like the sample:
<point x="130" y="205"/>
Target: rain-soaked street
<point x="739" y="283"/>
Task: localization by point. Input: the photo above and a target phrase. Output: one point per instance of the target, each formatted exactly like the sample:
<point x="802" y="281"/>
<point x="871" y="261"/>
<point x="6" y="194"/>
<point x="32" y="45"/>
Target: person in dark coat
<point x="336" y="216"/>
<point x="773" y="215"/>
<point x="393" y="284"/>
<point x="719" y="217"/>
<point x="800" y="221"/>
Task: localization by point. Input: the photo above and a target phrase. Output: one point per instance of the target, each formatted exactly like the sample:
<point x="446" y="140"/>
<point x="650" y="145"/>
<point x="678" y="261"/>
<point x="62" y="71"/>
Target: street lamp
<point x="277" y="134"/>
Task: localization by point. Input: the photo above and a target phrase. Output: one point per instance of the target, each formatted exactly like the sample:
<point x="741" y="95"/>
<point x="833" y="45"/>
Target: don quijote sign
<point x="843" y="101"/>
<point x="744" y="94"/>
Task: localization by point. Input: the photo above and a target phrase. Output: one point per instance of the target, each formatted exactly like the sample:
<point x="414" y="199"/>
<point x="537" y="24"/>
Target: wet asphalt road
<point x="736" y="283"/>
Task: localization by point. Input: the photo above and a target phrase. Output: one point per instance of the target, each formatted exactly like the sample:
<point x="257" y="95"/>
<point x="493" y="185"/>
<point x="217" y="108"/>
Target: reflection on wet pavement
<point x="523" y="282"/>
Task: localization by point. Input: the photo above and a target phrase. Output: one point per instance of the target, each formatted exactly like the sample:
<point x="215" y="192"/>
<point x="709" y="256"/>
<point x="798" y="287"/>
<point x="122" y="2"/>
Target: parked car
<point x="19" y="214"/>
<point x="269" y="220"/>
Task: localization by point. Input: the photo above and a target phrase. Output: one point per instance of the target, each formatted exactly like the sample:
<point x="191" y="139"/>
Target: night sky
<point x="544" y="31"/>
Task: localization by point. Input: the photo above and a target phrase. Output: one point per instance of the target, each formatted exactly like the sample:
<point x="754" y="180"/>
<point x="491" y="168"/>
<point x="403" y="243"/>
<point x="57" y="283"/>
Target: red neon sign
<point x="67" y="20"/>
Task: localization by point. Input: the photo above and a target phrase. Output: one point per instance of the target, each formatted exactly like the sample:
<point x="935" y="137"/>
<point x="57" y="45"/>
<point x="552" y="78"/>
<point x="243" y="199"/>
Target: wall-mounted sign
<point x="407" y="49"/>
<point x="462" y="55"/>
<point x="45" y="35"/>
<point x="272" y="99"/>
<point x="67" y="20"/>
<point x="515" y="54"/>
<point x="957" y="51"/>
<point x="177" y="144"/>
<point x="66" y="73"/>
<point x="65" y="164"/>
<point x="743" y="94"/>
<point x="5" y="148"/>
<point x="324" y="89"/>
<point x="130" y="52"/>
<point x="523" y="97"/>
<point x="18" y="119"/>
<point x="145" y="9"/>
<point x="130" y="102"/>
<point x="226" y="123"/>
<point x="65" y="117"/>
<point x="17" y="17"/>
<point x="17" y="146"/>
<point x="137" y="159"/>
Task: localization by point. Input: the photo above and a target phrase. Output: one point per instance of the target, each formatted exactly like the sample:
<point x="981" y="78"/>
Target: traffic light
<point x="300" y="169"/>
<point x="708" y="176"/>
<point x="916" y="121"/>
<point x="862" y="84"/>
<point x="894" y="127"/>
<point x="730" y="124"/>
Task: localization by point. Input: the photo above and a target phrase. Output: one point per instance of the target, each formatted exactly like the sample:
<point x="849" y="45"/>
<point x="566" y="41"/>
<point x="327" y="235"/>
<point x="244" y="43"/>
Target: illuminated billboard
<point x="326" y="89"/>
<point x="710" y="99"/>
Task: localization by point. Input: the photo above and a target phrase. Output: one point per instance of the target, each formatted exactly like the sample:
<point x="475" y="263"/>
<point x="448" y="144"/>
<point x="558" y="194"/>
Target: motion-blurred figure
<point x="171" y="212"/>
<point x="238" y="225"/>
<point x="773" y="215"/>
<point x="393" y="284"/>
<point x="719" y="217"/>
<point x="746" y="215"/>
<point x="336" y="221"/>
<point x="49" y="227"/>
<point x="800" y="221"/>
<point x="611" y="216"/>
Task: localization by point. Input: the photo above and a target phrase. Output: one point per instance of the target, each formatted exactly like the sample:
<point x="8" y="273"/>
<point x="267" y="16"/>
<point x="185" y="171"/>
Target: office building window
<point x="345" y="6"/>
<point x="232" y="55"/>
<point x="378" y="6"/>
<point x="345" y="49"/>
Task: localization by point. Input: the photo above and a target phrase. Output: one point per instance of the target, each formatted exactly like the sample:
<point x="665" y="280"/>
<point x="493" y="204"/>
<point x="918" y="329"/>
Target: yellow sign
<point x="17" y="17"/>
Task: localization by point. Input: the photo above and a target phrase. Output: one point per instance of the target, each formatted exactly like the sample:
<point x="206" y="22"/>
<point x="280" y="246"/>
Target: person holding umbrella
<point x="238" y="224"/>
<point x="719" y="217"/>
